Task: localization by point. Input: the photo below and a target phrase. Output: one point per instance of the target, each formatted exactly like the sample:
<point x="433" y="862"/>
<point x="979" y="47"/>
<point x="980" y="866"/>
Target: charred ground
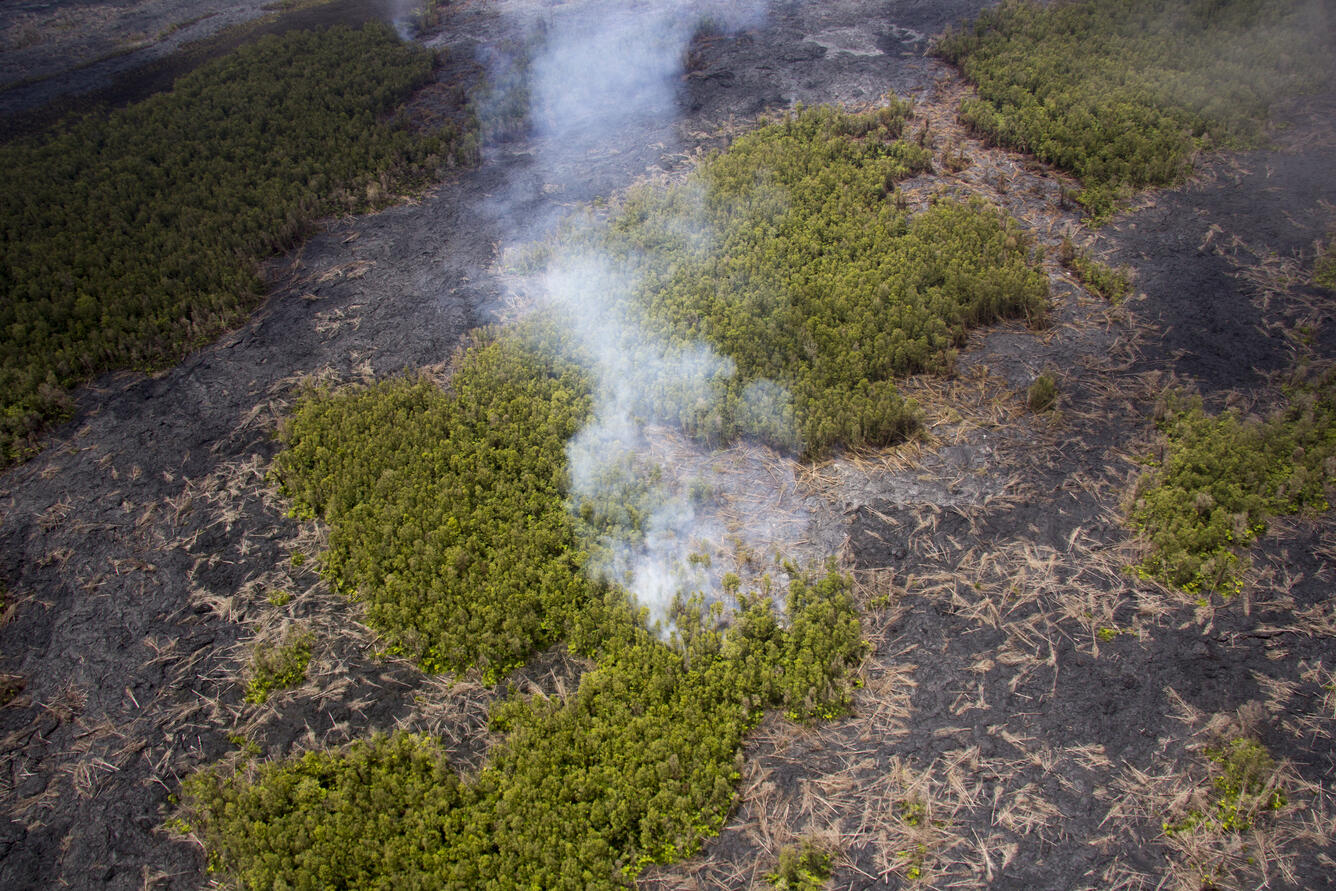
<point x="1042" y="703"/>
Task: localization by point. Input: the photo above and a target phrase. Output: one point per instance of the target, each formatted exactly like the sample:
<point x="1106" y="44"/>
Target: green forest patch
<point x="447" y="511"/>
<point x="636" y="767"/>
<point x="788" y="253"/>
<point x="131" y="236"/>
<point x="1224" y="476"/>
<point x="449" y="520"/>
<point x="1122" y="93"/>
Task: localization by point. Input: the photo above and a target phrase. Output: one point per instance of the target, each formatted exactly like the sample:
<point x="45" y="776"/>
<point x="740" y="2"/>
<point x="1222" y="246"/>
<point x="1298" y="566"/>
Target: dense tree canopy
<point x="636" y="767"/>
<point x="447" y="510"/>
<point x="1122" y="92"/>
<point x="809" y="275"/>
<point x="129" y="236"/>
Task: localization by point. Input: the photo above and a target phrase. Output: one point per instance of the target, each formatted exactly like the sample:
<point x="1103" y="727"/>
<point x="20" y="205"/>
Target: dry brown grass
<point x="1034" y="594"/>
<point x="1174" y="803"/>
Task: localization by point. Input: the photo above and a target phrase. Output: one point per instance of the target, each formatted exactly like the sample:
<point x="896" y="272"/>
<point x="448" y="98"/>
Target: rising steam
<point x="677" y="518"/>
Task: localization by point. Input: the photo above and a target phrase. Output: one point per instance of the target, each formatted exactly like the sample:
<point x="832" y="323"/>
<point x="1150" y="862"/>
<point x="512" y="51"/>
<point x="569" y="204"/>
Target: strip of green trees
<point x="1123" y="93"/>
<point x="129" y="237"/>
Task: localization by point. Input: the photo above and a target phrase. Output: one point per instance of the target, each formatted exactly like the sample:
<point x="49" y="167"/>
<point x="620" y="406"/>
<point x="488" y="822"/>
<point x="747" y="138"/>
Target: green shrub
<point x="1122" y="93"/>
<point x="278" y="666"/>
<point x="804" y="867"/>
<point x="1244" y="788"/>
<point x="1043" y="393"/>
<point x="1222" y="479"/>
<point x="1101" y="279"/>
<point x="131" y="237"/>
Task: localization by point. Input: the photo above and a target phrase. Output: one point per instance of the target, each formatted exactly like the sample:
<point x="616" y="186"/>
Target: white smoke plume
<point x="680" y="518"/>
<point x="402" y="14"/>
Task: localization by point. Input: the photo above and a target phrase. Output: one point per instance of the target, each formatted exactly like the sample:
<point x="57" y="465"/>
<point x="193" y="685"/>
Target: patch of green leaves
<point x="447" y="510"/>
<point x="911" y="811"/>
<point x="1324" y="268"/>
<point x="1099" y="278"/>
<point x="1223" y="477"/>
<point x="278" y="666"/>
<point x="1043" y="393"/>
<point x="802" y="867"/>
<point x="1122" y="93"/>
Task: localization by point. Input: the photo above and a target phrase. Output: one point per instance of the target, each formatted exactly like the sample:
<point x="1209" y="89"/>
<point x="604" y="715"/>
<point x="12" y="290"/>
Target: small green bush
<point x="803" y="867"/>
<point x="1324" y="268"/>
<point x="1243" y="790"/>
<point x="1244" y="783"/>
<point x="1043" y="393"/>
<point x="1101" y="279"/>
<point x="278" y="666"/>
<point x="1222" y="479"/>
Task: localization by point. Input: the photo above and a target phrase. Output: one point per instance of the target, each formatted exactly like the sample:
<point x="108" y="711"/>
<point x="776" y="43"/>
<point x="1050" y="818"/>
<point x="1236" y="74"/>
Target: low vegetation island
<point x="131" y="236"/>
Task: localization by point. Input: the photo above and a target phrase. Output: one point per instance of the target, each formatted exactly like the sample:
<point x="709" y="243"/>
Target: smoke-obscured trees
<point x="809" y="276"/>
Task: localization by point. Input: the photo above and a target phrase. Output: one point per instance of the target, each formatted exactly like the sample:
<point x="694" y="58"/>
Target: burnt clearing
<point x="1044" y="705"/>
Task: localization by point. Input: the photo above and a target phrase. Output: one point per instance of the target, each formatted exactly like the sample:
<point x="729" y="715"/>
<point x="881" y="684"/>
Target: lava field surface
<point x="1047" y="704"/>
